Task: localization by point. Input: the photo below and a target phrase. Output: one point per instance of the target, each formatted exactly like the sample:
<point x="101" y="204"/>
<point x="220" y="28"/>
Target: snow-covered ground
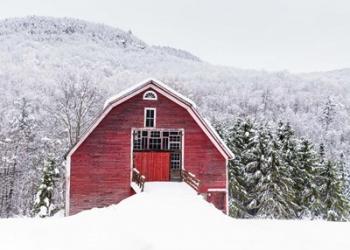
<point x="168" y="216"/>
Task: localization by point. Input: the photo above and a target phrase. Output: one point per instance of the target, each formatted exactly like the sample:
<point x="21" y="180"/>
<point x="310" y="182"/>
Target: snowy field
<point x="168" y="216"/>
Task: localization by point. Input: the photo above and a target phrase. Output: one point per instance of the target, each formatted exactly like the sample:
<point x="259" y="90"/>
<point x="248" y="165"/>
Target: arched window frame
<point x="150" y="98"/>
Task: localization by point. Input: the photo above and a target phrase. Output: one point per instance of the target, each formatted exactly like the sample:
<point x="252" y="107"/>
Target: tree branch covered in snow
<point x="278" y="175"/>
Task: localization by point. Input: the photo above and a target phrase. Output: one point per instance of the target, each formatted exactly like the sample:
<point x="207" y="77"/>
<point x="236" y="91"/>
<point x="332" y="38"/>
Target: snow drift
<point x="168" y="216"/>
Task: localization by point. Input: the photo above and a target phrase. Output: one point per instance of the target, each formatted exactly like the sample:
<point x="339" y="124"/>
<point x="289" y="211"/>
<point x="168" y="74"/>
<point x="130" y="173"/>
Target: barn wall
<point x="100" y="167"/>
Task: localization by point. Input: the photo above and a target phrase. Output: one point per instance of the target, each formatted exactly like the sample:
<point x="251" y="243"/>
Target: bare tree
<point x="76" y="102"/>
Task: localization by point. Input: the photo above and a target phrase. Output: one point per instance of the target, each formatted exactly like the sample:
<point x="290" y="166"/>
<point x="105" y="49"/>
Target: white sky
<point x="297" y="35"/>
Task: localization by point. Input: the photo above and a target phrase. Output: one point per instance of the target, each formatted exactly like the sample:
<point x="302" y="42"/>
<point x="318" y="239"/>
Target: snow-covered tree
<point x="76" y="102"/>
<point x="328" y="113"/>
<point x="322" y="153"/>
<point x="22" y="158"/>
<point x="258" y="166"/>
<point x="285" y="136"/>
<point x="241" y="142"/>
<point x="336" y="204"/>
<point x="43" y="205"/>
<point x="308" y="181"/>
<point x="274" y="190"/>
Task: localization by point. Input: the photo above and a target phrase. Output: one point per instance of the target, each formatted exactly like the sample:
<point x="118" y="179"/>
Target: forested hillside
<point x="55" y="74"/>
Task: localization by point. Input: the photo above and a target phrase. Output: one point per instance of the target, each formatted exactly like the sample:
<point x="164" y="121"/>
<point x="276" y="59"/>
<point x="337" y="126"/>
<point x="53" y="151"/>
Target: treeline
<point x="24" y="147"/>
<point x="277" y="175"/>
<point x="34" y="139"/>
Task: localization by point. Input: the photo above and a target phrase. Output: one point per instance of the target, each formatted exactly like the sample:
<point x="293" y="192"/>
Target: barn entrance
<point x="154" y="165"/>
<point x="157" y="153"/>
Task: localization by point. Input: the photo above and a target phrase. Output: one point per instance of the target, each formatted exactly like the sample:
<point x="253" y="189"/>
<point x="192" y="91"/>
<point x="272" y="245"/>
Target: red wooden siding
<point x="218" y="199"/>
<point x="101" y="166"/>
<point x="155" y="166"/>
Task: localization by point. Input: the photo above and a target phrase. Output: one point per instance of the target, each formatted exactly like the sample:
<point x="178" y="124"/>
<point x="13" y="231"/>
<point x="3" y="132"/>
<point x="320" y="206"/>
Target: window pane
<point x="150" y="95"/>
<point x="155" y="133"/>
<point x="150" y="113"/>
<point x="175" y="161"/>
<point x="144" y="143"/>
<point x="174" y="145"/>
<point x="155" y="143"/>
<point x="165" y="143"/>
<point x="149" y="122"/>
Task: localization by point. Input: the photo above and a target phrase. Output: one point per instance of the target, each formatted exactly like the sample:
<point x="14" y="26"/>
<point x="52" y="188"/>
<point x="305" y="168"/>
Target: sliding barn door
<point x="155" y="166"/>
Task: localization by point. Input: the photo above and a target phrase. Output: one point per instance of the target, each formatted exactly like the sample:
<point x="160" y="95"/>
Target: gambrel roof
<point x="173" y="95"/>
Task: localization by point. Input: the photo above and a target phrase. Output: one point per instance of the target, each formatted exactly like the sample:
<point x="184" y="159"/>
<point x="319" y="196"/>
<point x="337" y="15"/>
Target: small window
<point x="150" y="117"/>
<point x="150" y="95"/>
<point x="175" y="161"/>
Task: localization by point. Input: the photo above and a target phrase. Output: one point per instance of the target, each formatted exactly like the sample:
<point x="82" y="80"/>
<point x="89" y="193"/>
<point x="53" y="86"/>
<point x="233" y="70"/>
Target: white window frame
<point x="145" y="117"/>
<point x="150" y="98"/>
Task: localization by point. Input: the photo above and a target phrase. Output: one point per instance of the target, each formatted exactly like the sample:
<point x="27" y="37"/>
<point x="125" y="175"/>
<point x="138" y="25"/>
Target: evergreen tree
<point x="276" y="175"/>
<point x="322" y="153"/>
<point x="275" y="195"/>
<point x="240" y="140"/>
<point x="43" y="200"/>
<point x="259" y="166"/>
<point x="307" y="177"/>
<point x="337" y="205"/>
<point x="345" y="171"/>
<point x="288" y="146"/>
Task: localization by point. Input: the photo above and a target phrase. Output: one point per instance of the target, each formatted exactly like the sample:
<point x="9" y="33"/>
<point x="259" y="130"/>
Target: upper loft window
<point x="150" y="95"/>
<point x="150" y="117"/>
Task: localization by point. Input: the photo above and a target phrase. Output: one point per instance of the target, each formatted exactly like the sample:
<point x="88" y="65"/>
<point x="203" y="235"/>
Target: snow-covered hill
<point x="36" y="52"/>
<point x="168" y="216"/>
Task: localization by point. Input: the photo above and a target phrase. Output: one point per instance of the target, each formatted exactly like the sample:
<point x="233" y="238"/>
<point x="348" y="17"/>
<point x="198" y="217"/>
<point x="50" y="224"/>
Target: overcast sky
<point x="297" y="35"/>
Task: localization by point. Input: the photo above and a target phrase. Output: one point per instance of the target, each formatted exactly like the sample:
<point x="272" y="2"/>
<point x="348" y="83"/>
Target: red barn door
<point x="155" y="166"/>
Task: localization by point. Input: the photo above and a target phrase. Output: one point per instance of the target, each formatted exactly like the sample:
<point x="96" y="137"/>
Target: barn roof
<point x="144" y="83"/>
<point x="172" y="95"/>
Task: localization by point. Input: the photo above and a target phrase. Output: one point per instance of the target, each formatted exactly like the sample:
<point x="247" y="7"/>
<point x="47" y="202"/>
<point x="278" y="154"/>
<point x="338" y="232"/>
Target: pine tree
<point x="43" y="200"/>
<point x="288" y="146"/>
<point x="307" y="177"/>
<point x="345" y="172"/>
<point x="337" y="205"/>
<point x="275" y="192"/>
<point x="258" y="167"/>
<point x="240" y="140"/>
<point x="322" y="153"/>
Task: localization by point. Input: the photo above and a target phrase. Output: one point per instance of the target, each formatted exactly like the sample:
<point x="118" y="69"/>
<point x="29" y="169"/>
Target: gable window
<point x="150" y="117"/>
<point x="150" y="95"/>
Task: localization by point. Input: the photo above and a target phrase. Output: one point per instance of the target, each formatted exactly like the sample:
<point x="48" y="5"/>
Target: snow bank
<point x="168" y="216"/>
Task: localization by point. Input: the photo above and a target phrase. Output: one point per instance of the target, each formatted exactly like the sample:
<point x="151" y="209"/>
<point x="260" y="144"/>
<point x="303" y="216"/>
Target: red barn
<point x="149" y="130"/>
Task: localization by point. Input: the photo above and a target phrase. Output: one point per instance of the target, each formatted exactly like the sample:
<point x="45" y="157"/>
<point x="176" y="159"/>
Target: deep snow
<point x="168" y="216"/>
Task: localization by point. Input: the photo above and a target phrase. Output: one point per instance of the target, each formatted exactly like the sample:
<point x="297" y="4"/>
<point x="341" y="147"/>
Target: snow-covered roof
<point x="148" y="83"/>
<point x="165" y="89"/>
